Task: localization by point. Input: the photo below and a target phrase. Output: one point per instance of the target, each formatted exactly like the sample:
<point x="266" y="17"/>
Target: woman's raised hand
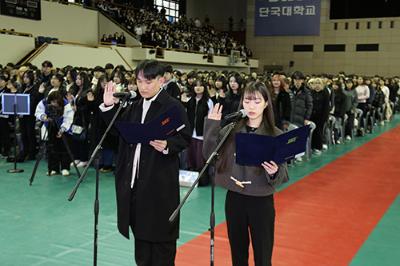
<point x="216" y="112"/>
<point x="108" y="97"/>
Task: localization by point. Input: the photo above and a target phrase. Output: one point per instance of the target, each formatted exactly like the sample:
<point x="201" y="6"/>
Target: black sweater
<point x="197" y="111"/>
<point x="321" y="106"/>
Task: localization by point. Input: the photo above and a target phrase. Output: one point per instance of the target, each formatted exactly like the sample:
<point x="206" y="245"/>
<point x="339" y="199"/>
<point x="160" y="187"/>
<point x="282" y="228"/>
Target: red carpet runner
<point x="324" y="218"/>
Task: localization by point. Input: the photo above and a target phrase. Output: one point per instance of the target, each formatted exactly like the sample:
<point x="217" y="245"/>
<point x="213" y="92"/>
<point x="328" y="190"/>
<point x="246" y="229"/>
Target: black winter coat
<point x="340" y="103"/>
<point x="302" y="105"/>
<point x="231" y="104"/>
<point x="157" y="186"/>
<point x="173" y="90"/>
<point x="283" y="107"/>
<point x="379" y="99"/>
<point x="351" y="100"/>
<point x="34" y="96"/>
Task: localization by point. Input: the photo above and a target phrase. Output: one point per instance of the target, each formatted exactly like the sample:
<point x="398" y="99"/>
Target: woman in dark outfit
<point x="197" y="109"/>
<point x="320" y="113"/>
<point x="4" y="125"/>
<point x="220" y="87"/>
<point x="284" y="104"/>
<point x="28" y="121"/>
<point x="341" y="103"/>
<point x="232" y="99"/>
<point x="275" y="88"/>
<point x="249" y="208"/>
<point x="81" y="118"/>
<point x="351" y="97"/>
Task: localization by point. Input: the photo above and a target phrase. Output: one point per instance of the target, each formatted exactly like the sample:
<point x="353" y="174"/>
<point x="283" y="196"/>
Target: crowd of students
<point x="67" y="101"/>
<point x="152" y="28"/>
<point x="116" y="38"/>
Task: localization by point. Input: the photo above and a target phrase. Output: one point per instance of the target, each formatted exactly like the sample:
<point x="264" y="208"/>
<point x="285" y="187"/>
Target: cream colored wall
<point x="73" y="23"/>
<point x="79" y="56"/>
<point x="14" y="48"/>
<point x="108" y="27"/>
<point x="188" y="68"/>
<point x="128" y="54"/>
<point x="194" y="60"/>
<point x="279" y="50"/>
<point x="76" y="24"/>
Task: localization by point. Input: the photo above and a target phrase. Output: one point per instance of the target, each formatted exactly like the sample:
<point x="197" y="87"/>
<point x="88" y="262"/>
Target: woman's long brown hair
<point x="268" y="115"/>
<point x="268" y="121"/>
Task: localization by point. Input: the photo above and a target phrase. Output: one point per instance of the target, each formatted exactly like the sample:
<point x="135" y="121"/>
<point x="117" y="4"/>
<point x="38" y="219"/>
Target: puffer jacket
<point x="302" y="105"/>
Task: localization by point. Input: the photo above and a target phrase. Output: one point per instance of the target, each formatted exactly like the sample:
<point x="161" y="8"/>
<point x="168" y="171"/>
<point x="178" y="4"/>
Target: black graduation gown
<point x="157" y="186"/>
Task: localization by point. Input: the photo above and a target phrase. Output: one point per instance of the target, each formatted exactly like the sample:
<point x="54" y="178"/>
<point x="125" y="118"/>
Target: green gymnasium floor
<point x="40" y="227"/>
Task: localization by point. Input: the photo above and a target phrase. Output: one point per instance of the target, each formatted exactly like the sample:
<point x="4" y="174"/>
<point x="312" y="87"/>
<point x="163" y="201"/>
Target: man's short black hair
<point x="191" y="75"/>
<point x="109" y="66"/>
<point x="11" y="65"/>
<point x="59" y="77"/>
<point x="98" y="68"/>
<point x="150" y="69"/>
<point x="168" y="69"/>
<point x="47" y="63"/>
<point x="298" y="75"/>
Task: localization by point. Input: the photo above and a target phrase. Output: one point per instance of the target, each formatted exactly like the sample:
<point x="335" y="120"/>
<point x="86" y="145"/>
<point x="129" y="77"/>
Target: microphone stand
<point x="93" y="157"/>
<point x="214" y="154"/>
<point x="15" y="169"/>
<point x="38" y="156"/>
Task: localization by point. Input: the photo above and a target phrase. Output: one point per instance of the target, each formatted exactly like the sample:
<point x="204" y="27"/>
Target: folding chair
<point x="308" y="148"/>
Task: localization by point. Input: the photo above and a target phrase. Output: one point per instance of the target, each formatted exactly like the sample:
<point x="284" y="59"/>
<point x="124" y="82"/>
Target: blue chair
<point x="358" y="119"/>
<point x="330" y="127"/>
<point x="308" y="148"/>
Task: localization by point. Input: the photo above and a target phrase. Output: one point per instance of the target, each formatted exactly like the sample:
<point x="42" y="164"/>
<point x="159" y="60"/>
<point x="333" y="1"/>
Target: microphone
<point x="236" y="115"/>
<point x="125" y="95"/>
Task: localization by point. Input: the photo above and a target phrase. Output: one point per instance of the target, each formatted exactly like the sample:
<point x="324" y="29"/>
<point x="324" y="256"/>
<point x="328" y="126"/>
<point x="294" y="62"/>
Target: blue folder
<point x="254" y="149"/>
<point x="160" y="128"/>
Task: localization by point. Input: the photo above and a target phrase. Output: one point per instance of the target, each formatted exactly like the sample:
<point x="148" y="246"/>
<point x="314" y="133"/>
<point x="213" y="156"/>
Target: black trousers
<point x="28" y="135"/>
<point x="155" y="253"/>
<point x="254" y="215"/>
<point x="58" y="156"/>
<point x="364" y="108"/>
<point x="151" y="253"/>
<point x="80" y="150"/>
<point x="195" y="154"/>
<point x="316" y="141"/>
<point x="4" y="136"/>
<point x="350" y="124"/>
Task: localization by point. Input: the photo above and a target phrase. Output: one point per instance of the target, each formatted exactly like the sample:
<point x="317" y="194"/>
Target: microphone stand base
<point x="13" y="171"/>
